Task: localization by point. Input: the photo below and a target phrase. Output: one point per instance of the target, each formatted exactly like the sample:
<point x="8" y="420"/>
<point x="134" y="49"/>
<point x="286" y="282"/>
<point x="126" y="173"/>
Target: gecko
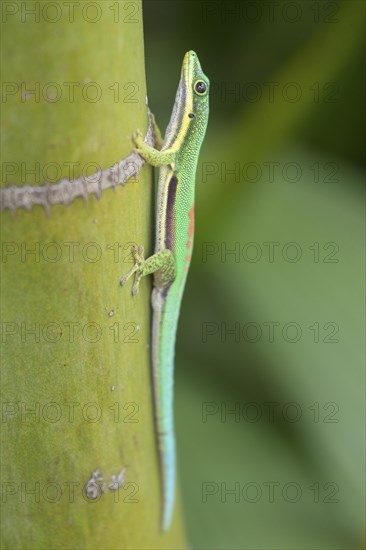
<point x="177" y="157"/>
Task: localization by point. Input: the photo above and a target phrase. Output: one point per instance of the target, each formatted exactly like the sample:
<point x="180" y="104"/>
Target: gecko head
<point x="197" y="88"/>
<point x="190" y="111"/>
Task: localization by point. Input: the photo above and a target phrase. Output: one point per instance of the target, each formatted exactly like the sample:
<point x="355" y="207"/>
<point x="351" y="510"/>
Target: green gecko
<point x="177" y="158"/>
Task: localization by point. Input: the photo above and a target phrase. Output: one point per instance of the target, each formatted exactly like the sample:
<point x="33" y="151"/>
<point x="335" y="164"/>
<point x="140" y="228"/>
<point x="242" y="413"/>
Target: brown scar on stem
<point x="66" y="191"/>
<point x="96" y="484"/>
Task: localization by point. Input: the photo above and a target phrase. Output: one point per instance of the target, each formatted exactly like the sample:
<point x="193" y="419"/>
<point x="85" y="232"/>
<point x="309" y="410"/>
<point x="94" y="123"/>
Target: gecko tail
<point x="164" y="329"/>
<point x="168" y="467"/>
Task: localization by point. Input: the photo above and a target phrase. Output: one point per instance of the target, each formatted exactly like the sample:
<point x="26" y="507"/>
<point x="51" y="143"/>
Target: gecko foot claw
<point x="136" y="269"/>
<point x="137" y="138"/>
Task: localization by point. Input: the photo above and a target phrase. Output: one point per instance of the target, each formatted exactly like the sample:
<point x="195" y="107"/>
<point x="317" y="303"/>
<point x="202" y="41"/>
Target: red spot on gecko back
<point x="190" y="227"/>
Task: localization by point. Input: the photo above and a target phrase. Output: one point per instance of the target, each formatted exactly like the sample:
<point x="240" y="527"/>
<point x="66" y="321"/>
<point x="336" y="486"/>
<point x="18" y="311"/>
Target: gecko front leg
<point x="153" y="156"/>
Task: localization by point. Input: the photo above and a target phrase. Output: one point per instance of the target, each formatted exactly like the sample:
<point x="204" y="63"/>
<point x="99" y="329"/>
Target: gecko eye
<point x="200" y="87"/>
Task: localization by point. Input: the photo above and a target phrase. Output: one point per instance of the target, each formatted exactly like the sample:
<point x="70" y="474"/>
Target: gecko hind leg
<point x="162" y="262"/>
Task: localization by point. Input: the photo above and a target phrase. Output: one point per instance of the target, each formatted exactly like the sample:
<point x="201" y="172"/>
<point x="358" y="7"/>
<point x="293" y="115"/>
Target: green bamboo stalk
<point x="76" y="384"/>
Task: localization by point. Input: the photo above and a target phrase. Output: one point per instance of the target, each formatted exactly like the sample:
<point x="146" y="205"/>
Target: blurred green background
<point x="274" y="330"/>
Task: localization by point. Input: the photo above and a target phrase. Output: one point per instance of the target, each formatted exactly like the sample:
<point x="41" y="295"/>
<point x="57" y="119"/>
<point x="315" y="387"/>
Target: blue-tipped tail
<point x="168" y="468"/>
